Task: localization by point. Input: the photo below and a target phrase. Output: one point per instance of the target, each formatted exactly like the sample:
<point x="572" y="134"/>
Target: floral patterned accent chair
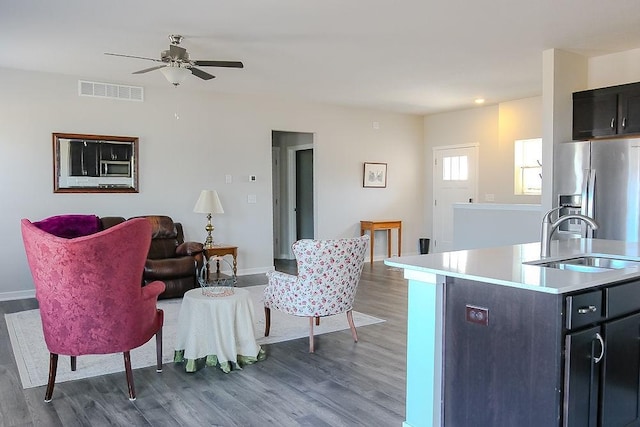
<point x="89" y="294"/>
<point x="328" y="276"/>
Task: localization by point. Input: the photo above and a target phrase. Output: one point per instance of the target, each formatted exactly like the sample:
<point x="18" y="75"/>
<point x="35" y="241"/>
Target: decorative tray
<point x="217" y="291"/>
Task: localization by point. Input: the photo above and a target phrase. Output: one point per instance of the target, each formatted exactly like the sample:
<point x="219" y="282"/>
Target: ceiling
<point x="409" y="56"/>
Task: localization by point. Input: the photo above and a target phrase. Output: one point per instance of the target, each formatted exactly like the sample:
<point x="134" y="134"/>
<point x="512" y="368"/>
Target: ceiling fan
<point x="176" y="64"/>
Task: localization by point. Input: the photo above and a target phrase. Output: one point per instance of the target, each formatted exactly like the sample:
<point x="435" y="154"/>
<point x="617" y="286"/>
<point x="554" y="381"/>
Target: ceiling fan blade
<point x="199" y="73"/>
<point x="178" y="53"/>
<point x="146" y="70"/>
<point x="131" y="56"/>
<point x="228" y="64"/>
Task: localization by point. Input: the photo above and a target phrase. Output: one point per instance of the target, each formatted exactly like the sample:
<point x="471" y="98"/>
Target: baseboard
<point x="248" y="271"/>
<point x="9" y="296"/>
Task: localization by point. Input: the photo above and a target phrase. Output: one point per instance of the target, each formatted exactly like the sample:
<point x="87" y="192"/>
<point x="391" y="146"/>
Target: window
<point x="528" y="166"/>
<point x="455" y="168"/>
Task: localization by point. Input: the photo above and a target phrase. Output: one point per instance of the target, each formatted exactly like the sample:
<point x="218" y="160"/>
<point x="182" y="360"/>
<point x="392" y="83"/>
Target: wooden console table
<point x="372" y="226"/>
<point x="222" y="250"/>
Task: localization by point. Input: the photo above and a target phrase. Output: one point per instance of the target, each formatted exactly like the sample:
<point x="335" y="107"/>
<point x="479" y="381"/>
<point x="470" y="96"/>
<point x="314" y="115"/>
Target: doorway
<point x="293" y="191"/>
<point x="304" y="194"/>
<point x="455" y="177"/>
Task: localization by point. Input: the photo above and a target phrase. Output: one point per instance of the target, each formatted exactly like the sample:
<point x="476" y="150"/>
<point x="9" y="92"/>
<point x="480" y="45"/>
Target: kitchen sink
<point x="587" y="263"/>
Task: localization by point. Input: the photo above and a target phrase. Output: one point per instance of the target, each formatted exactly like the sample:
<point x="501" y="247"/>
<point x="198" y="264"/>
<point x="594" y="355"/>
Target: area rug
<point x="32" y="356"/>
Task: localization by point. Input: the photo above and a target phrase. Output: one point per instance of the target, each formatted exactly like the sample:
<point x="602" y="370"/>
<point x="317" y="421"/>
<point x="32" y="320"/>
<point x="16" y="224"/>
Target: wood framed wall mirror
<point x="94" y="163"/>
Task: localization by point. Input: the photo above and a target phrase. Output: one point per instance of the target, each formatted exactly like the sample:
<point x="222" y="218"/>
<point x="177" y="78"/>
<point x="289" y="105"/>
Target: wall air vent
<point x="109" y="90"/>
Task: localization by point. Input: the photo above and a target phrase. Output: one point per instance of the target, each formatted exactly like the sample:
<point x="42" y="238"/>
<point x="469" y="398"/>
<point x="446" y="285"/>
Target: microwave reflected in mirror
<point x="95" y="163"/>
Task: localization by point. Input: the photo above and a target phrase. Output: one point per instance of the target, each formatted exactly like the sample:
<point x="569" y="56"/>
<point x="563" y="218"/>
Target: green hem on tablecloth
<point x="192" y="365"/>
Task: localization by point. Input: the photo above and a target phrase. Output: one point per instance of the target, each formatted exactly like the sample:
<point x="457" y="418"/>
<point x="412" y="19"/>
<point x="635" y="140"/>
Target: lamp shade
<point x="208" y="203"/>
<point x="175" y="74"/>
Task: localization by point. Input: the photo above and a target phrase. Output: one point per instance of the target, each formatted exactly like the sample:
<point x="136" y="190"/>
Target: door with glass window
<point x="454" y="181"/>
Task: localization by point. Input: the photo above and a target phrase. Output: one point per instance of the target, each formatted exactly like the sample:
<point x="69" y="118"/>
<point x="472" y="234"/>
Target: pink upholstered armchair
<point x="328" y="276"/>
<point x="89" y="293"/>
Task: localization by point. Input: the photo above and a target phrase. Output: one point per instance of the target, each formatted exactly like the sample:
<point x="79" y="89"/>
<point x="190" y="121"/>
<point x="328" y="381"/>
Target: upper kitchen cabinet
<point x="629" y="111"/>
<point x="606" y="112"/>
<point x="594" y="114"/>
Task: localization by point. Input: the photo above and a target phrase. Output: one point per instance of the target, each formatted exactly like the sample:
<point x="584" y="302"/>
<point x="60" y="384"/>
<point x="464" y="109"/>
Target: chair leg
<point x="73" y="363"/>
<point x="159" y="350"/>
<point x="127" y="368"/>
<point x="53" y="368"/>
<point x="267" y="321"/>
<point x="317" y="320"/>
<point x="311" y="349"/>
<point x="352" y="325"/>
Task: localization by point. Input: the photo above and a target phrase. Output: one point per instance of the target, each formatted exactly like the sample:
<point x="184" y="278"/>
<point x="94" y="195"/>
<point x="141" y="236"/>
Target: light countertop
<point x="505" y="266"/>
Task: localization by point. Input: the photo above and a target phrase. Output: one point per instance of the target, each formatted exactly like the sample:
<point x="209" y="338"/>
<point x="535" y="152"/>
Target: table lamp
<point x="208" y="203"/>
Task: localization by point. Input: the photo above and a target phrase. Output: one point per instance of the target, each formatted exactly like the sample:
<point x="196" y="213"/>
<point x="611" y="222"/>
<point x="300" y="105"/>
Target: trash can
<point x="424" y="246"/>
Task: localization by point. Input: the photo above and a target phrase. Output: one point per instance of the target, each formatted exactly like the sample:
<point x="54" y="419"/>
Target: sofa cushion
<point x="189" y="249"/>
<point x="159" y="269"/>
<point x="110" y="221"/>
<point x="70" y="226"/>
<point x="162" y="227"/>
<point x="162" y="249"/>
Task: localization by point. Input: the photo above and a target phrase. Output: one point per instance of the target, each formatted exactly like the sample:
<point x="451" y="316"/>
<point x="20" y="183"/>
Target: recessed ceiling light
<point x="479" y="101"/>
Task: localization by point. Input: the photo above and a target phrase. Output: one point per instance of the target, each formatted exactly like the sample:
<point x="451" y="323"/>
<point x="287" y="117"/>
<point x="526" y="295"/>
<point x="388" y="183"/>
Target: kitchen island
<point x="496" y="340"/>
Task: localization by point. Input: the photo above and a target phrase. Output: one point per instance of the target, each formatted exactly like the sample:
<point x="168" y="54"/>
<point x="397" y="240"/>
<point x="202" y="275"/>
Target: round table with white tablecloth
<point x="217" y="326"/>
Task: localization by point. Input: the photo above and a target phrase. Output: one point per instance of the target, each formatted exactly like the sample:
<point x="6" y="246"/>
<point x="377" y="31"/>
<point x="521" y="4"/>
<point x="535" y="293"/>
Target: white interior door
<point x="455" y="176"/>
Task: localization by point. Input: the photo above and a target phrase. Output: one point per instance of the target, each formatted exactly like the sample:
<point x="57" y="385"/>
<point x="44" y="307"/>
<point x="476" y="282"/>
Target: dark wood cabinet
<point x="83" y="158"/>
<point x="583" y="353"/>
<point x="594" y="115"/>
<point x="606" y="112"/>
<point x="629" y="111"/>
<point x="620" y="402"/>
<point x="98" y="159"/>
<point x="602" y="380"/>
<point x="507" y="371"/>
<point x="602" y="363"/>
<point x="540" y="359"/>
<point x="115" y="152"/>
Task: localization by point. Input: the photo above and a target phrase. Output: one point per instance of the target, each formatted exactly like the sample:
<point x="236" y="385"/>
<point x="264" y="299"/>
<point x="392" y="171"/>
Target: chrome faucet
<point x="549" y="226"/>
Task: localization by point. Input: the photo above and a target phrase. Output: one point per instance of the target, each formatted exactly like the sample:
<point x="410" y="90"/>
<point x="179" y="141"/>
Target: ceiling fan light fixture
<point x="175" y="74"/>
<point x="176" y="65"/>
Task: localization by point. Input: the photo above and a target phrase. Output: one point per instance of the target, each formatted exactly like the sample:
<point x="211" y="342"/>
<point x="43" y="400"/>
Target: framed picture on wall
<point x="374" y="175"/>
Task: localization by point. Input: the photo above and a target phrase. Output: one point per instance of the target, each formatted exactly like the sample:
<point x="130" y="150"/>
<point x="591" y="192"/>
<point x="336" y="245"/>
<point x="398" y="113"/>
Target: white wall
<point x="613" y="69"/>
<point x="494" y="128"/>
<point x="562" y="74"/>
<point x="477" y="125"/>
<point x="217" y="134"/>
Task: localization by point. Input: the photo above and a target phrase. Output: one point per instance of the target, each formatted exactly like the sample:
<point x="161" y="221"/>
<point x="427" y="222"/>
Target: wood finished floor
<point x="342" y="384"/>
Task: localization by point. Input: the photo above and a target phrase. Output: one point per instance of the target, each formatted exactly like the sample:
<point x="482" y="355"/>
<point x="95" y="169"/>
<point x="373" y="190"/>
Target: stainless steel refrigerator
<point x="600" y="179"/>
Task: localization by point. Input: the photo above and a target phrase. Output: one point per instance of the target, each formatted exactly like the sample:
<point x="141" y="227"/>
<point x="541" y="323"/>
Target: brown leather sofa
<point x="170" y="258"/>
